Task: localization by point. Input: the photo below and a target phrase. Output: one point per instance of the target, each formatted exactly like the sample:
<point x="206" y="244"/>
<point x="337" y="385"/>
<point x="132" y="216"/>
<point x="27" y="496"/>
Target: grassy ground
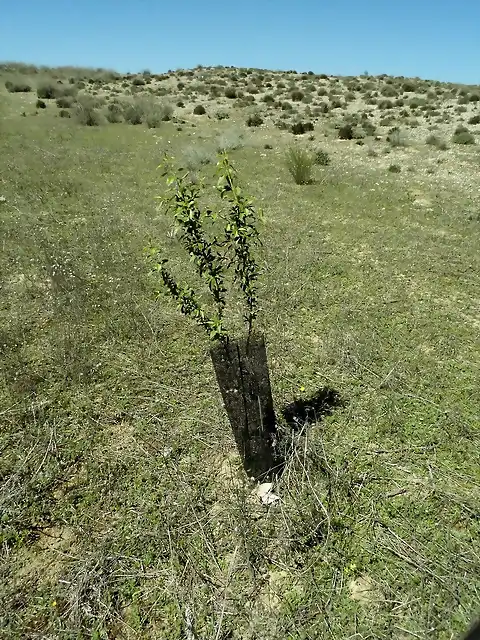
<point x="124" y="511"/>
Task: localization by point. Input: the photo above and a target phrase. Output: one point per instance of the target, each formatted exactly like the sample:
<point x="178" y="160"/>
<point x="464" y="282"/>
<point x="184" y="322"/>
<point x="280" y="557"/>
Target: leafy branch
<point x="211" y="256"/>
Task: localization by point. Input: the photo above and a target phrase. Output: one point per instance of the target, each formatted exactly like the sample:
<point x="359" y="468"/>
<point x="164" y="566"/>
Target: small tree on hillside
<point x="225" y="262"/>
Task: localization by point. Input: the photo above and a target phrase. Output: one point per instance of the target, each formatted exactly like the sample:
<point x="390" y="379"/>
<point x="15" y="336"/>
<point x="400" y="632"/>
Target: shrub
<point x="114" y="113"/>
<point x="222" y="115"/>
<point x="194" y="157"/>
<point x="199" y="110"/>
<point x="268" y="99"/>
<point x="463" y="137"/>
<point x="436" y="141"/>
<point x="474" y="119"/>
<point x="63" y="113"/>
<point x="87" y="115"/>
<point x="40" y="104"/>
<point x="230" y="140"/>
<point x="254" y="120"/>
<point x="296" y="95"/>
<point x="230" y="93"/>
<point x="321" y="157"/>
<point x="461" y="129"/>
<point x="64" y="102"/>
<point x="138" y="82"/>
<point x="300" y="164"/>
<point x="345" y="132"/>
<point x="396" y="137"/>
<point x="133" y="112"/>
<point x="47" y="91"/>
<point x="153" y="118"/>
<point x="368" y="127"/>
<point x="388" y="91"/>
<point x="17" y="87"/>
<point x="474" y="97"/>
<point x="298" y="128"/>
<point x="394" y="168"/>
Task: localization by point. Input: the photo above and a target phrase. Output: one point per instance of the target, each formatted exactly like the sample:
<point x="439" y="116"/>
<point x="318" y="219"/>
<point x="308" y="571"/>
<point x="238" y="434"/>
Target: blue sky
<point x="436" y="39"/>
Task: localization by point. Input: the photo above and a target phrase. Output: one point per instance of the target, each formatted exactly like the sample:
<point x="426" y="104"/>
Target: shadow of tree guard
<point x="303" y="412"/>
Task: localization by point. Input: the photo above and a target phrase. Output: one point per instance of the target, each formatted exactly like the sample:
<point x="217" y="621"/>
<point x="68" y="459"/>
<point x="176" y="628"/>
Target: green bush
<point x="298" y="128"/>
<point x="254" y="120"/>
<point x="47" y="91"/>
<point x="345" y="132"/>
<point x="63" y="113"/>
<point x="474" y="119"/>
<point x="268" y="99"/>
<point x="64" y="102"/>
<point x="199" y="110"/>
<point x="321" y="157"/>
<point x="87" y="115"/>
<point x="114" y="113"/>
<point x="230" y="140"/>
<point x="388" y="91"/>
<point x="40" y="104"/>
<point x="396" y="137"/>
<point x="222" y="115"/>
<point x="436" y="141"/>
<point x="136" y="111"/>
<point x="296" y="95"/>
<point x="152" y="118"/>
<point x="300" y="164"/>
<point x="394" y="168"/>
<point x="231" y="93"/>
<point x="464" y="137"/>
<point x="138" y="82"/>
<point x="17" y="87"/>
<point x="194" y="157"/>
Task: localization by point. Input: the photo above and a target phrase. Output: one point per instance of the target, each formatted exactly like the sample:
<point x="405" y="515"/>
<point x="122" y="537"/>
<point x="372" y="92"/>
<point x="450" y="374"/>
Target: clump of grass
<point x="300" y="164"/>
<point x="436" y="141"/>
